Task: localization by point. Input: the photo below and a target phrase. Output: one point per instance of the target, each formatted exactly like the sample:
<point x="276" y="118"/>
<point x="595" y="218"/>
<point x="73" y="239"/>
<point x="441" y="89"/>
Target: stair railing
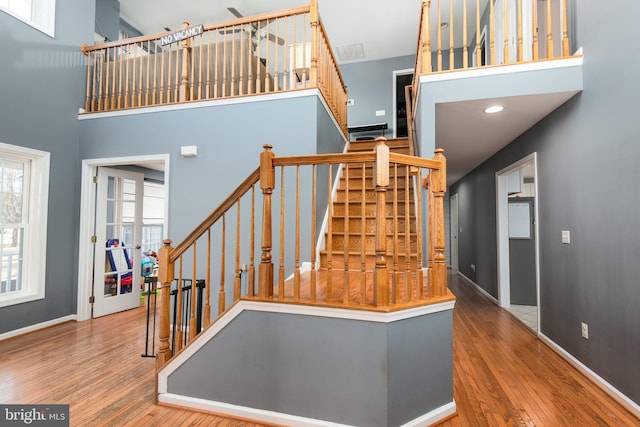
<point x="379" y="190"/>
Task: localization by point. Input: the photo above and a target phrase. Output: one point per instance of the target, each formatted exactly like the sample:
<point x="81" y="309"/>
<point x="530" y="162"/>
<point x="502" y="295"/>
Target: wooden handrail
<point x="215" y="215"/>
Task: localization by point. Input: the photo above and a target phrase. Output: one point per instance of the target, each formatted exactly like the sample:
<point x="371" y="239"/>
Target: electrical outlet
<point x="243" y="267"/>
<point x="473" y="267"/>
<point x="585" y="331"/>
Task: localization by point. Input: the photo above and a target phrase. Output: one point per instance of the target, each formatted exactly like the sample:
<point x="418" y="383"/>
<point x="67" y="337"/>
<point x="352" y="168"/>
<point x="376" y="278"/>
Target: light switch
<point x="566" y="237"/>
<point x="380" y="113"/>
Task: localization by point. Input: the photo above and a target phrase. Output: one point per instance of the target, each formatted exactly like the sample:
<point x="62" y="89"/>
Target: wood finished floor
<point x="503" y="375"/>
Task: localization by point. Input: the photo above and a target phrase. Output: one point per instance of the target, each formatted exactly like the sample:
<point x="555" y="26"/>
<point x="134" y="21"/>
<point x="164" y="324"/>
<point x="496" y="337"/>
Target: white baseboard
<point x="279" y="418"/>
<point x="38" y="326"/>
<point x="482" y="291"/>
<point x="616" y="394"/>
<point x="434" y="416"/>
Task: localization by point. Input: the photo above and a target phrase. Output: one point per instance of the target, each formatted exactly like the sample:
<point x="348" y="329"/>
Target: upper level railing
<point x="262" y="242"/>
<point x="268" y="53"/>
<point x="481" y="33"/>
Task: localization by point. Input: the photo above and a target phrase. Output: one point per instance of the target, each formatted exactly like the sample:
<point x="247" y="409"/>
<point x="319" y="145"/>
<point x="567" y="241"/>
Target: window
<point x="24" y="187"/>
<point x="40" y="14"/>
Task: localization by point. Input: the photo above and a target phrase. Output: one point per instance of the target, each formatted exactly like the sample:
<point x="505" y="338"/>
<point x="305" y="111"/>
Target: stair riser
<point x="355" y="209"/>
<point x="355" y="195"/>
<point x="355" y="263"/>
<point x="355" y="244"/>
<point x="355" y="225"/>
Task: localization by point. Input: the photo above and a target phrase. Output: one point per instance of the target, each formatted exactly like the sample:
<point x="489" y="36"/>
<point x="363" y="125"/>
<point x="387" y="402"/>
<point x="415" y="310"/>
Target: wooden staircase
<point x="352" y="227"/>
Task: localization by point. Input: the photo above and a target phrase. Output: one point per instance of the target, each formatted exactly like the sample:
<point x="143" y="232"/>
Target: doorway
<point x="107" y="270"/>
<point x="401" y="79"/>
<point x="517" y="227"/>
<point x="509" y="25"/>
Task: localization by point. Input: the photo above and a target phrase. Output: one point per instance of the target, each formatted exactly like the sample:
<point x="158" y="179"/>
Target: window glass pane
<point x="11" y="243"/>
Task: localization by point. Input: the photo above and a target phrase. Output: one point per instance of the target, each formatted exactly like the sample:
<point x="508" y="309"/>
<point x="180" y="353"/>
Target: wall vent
<point x="350" y="52"/>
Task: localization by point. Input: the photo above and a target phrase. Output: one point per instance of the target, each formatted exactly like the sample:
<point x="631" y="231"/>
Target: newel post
<point x="184" y="78"/>
<point x="439" y="282"/>
<point x="165" y="277"/>
<point x="267" y="182"/>
<point x="314" y="18"/>
<point x="381" y="182"/>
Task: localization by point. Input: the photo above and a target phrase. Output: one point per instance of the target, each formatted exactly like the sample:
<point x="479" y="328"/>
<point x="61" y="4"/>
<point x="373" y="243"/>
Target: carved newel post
<point x="439" y="186"/>
<point x="165" y="277"/>
<point x="267" y="182"/>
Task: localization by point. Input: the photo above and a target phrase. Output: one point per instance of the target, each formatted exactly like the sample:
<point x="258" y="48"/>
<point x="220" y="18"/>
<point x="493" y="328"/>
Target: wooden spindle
<point x="520" y="39"/>
<point x="394" y="274"/>
<point x="439" y="57"/>
<point x="216" y="80"/>
<point x="179" y="313"/>
<point x="381" y="182"/>
<point x="165" y="277"/>
<point x="345" y="234"/>
<point x="305" y="53"/>
<point x="439" y="282"/>
<point x="426" y="29"/>
<point x="363" y="235"/>
<point x="113" y="105"/>
<point x="534" y="13"/>
<point x="207" y="298"/>
<point x="276" y="67"/>
<point x="329" y="285"/>
<point x="281" y="269"/>
<point x="224" y="91"/>
<point x="252" y="249"/>
<point x="177" y="85"/>
<point x="162" y="65"/>
<point x="267" y="181"/>
<point x="478" y="36"/>
<point x="184" y="82"/>
<point x="296" y="271"/>
<point x="286" y="71"/>
<point x="222" y="294"/>
<point x="565" y="30"/>
<point x="126" y="78"/>
<point x="233" y="65"/>
<point x="192" y="314"/>
<point x="505" y="10"/>
<point x="208" y="73"/>
<point x="237" y="283"/>
<point x="243" y="54"/>
<point x="419" y="264"/>
<point x="452" y="59"/>
<point x="407" y="235"/>
<point x="200" y="69"/>
<point x="426" y="182"/>
<point x="267" y="63"/>
<point x="465" y="36"/>
<point x="314" y="195"/>
<point x="492" y="32"/>
<point x="549" y="31"/>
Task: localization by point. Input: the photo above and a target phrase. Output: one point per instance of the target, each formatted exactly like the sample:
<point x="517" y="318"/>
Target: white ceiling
<point x="385" y="29"/>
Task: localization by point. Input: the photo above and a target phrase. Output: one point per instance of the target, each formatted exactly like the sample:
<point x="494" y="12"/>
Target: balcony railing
<point x="463" y="34"/>
<point x="262" y="54"/>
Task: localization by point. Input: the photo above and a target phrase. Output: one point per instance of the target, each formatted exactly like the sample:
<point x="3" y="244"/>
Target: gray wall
<point x="587" y="168"/>
<point x="41" y="86"/>
<point x="370" y="85"/>
<point x="107" y="20"/>
<point x="346" y="371"/>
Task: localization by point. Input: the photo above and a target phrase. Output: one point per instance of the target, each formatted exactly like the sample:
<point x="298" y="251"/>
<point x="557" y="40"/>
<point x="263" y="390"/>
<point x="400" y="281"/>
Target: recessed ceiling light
<point x="494" y="109"/>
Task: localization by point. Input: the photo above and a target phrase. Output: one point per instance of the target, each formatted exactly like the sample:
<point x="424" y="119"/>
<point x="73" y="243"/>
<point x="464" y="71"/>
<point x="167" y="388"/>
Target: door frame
<point x="502" y="229"/>
<point x="394" y="104"/>
<point x="87" y="220"/>
<point x="454" y="227"/>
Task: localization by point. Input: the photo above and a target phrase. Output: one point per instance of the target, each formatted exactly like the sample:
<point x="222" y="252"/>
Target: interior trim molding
<point x="37" y="327"/>
<point x="616" y="394"/>
<point x="482" y="291"/>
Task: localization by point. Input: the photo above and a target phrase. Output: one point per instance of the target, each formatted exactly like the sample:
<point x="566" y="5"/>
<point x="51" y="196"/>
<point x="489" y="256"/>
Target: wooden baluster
<point x="165" y="277"/>
<point x="140" y="74"/>
<point x="312" y="283"/>
<point x="452" y="59"/>
<point x="162" y="66"/>
<point x="565" y="30"/>
<point x="549" y="31"/>
<point x="285" y="71"/>
<point x="184" y="82"/>
<point x="345" y="233"/>
<point x="478" y="36"/>
<point x="216" y="81"/>
<point x="465" y="37"/>
<point x="242" y="60"/>
<point x="281" y="270"/>
<point x="252" y="250"/>
<point x="207" y="305"/>
<point x="233" y="64"/>
<point x="394" y="274"/>
<point x="267" y="181"/>
<point x="106" y="83"/>
<point x="520" y="41"/>
<point x="439" y="38"/>
<point x="126" y="93"/>
<point x="178" y="81"/>
<point x="329" y="245"/>
<point x="492" y="31"/>
<point x="119" y="100"/>
<point x="238" y="279"/>
<point x="87" y="102"/>
<point x="407" y="235"/>
<point x="296" y="271"/>
<point x="222" y="294"/>
<point x="267" y="63"/>
<point x="208" y="84"/>
<point x="505" y="8"/>
<point x="178" y="314"/>
<point x="439" y="282"/>
<point x="114" y="63"/>
<point x="419" y="272"/>
<point x="363" y="236"/>
<point x="150" y="86"/>
<point x="534" y="12"/>
<point x="293" y="72"/>
<point x="426" y="183"/>
<point x="276" y="62"/>
<point x="192" y="318"/>
<point x="200" y="90"/>
<point x="381" y="182"/>
<point x="315" y="45"/>
<point x="427" y="68"/>
<point x="95" y="101"/>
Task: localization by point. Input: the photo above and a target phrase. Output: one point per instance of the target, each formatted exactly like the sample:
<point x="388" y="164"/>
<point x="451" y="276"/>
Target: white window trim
<point x="43" y="16"/>
<point x="35" y="237"/>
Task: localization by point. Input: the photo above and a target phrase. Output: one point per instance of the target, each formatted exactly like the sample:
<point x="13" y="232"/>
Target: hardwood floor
<point x="503" y="375"/>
